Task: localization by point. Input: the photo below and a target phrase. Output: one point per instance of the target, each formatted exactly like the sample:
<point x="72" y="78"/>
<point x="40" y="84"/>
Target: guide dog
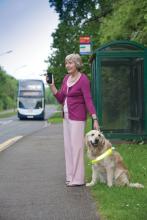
<point x="108" y="166"/>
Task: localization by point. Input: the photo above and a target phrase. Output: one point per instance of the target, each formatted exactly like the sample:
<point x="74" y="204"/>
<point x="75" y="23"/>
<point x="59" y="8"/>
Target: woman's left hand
<point x="96" y="125"/>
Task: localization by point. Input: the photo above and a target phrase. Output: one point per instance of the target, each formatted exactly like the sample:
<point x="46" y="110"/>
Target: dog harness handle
<point x="101" y="157"/>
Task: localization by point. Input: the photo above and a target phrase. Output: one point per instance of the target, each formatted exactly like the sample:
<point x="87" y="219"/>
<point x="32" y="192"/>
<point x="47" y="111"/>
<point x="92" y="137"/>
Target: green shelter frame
<point x="119" y="89"/>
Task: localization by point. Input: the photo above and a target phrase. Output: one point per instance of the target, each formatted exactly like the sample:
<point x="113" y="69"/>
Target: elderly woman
<point x="76" y="99"/>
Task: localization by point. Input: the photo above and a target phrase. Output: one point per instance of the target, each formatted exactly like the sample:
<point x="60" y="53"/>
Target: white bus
<point x="31" y="99"/>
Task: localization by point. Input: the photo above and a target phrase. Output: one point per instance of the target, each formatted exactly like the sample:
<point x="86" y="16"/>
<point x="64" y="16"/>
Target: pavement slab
<point x="32" y="181"/>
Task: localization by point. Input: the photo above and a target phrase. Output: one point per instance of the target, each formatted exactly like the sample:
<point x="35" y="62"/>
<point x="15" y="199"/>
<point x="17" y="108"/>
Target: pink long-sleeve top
<point x="79" y="100"/>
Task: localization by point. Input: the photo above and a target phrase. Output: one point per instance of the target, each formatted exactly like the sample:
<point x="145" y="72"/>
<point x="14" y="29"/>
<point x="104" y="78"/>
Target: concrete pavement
<point x="32" y="181"/>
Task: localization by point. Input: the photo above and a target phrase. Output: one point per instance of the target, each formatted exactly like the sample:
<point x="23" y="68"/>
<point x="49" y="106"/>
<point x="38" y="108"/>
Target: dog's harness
<point x="102" y="156"/>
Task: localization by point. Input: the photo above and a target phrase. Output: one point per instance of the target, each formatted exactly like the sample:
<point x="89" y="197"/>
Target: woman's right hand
<point x="47" y="80"/>
<point x="52" y="85"/>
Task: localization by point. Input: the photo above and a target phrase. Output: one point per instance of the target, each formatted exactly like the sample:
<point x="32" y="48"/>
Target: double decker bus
<point x="31" y="99"/>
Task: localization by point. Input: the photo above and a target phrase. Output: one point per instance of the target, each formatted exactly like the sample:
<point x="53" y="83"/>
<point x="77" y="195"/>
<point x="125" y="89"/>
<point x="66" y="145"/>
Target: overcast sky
<point x="25" y="28"/>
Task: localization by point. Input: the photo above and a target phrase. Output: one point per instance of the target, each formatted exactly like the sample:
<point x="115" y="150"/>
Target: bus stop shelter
<point x="119" y="89"/>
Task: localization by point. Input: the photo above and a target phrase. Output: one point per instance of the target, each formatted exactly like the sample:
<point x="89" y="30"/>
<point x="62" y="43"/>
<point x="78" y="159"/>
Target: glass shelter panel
<point x="121" y="85"/>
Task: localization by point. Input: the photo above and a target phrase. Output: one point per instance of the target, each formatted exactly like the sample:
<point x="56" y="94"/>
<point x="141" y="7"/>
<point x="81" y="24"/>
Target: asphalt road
<point x="12" y="127"/>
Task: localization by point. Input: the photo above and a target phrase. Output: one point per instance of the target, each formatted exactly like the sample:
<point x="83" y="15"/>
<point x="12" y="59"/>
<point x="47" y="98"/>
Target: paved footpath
<point x="32" y="181"/>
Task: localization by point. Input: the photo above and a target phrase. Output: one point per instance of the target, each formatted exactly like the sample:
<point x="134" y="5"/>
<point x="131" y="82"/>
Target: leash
<point x="102" y="156"/>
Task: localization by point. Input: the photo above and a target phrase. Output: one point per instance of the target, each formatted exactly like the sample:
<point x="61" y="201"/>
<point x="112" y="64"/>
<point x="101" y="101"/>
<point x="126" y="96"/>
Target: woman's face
<point x="70" y="66"/>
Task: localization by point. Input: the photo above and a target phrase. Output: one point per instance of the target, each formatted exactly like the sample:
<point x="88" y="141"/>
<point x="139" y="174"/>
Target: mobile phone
<point x="50" y="77"/>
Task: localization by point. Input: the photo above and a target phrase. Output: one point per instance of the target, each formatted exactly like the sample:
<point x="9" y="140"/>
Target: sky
<point x="25" y="30"/>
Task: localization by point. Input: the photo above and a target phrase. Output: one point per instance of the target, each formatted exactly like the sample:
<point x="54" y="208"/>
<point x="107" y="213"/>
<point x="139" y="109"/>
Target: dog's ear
<point x="99" y="129"/>
<point x="108" y="143"/>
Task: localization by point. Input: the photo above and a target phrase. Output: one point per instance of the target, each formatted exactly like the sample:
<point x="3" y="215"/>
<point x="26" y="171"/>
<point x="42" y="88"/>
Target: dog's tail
<point x="136" y="185"/>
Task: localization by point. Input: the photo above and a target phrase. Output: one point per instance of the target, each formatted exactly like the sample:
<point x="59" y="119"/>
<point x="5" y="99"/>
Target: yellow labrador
<point x="109" y="167"/>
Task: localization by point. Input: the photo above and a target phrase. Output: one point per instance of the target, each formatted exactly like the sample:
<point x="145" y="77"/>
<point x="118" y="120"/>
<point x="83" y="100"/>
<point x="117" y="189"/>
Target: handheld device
<point x="50" y="77"/>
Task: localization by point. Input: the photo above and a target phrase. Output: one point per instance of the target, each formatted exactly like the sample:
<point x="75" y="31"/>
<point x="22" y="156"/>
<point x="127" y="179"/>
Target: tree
<point x="103" y="20"/>
<point x="73" y="24"/>
<point x="8" y="89"/>
<point x="128" y="21"/>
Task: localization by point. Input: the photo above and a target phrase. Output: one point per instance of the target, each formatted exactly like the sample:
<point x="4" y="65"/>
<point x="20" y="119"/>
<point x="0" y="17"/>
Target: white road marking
<point x="9" y="142"/>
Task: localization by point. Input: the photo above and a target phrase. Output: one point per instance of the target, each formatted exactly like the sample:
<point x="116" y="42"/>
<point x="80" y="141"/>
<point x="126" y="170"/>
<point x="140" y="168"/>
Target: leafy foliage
<point x="128" y="21"/>
<point x="8" y="89"/>
<point x="49" y="98"/>
<point x="103" y="20"/>
<point x="72" y="25"/>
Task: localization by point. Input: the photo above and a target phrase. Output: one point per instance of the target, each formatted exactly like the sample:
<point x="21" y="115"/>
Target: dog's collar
<point x="102" y="156"/>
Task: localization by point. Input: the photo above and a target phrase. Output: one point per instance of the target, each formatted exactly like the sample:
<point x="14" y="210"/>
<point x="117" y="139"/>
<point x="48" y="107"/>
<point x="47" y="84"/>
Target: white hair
<point x="74" y="57"/>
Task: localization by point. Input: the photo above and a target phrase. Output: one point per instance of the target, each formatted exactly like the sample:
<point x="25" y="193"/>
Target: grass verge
<point x="120" y="203"/>
<point x="8" y="114"/>
<point x="56" y="118"/>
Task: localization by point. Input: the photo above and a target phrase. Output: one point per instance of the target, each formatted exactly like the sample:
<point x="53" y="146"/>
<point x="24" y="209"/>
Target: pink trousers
<point x="74" y="150"/>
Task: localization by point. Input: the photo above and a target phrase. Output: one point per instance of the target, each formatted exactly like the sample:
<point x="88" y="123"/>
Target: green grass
<point x="8" y="114"/>
<point x="56" y="118"/>
<point x="121" y="203"/>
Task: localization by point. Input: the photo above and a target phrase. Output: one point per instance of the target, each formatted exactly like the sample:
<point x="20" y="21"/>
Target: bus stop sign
<point x="85" y="45"/>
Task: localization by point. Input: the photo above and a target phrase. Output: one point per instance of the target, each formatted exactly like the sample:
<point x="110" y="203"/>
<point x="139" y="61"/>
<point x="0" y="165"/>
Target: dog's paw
<point x="109" y="185"/>
<point x="90" y="184"/>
